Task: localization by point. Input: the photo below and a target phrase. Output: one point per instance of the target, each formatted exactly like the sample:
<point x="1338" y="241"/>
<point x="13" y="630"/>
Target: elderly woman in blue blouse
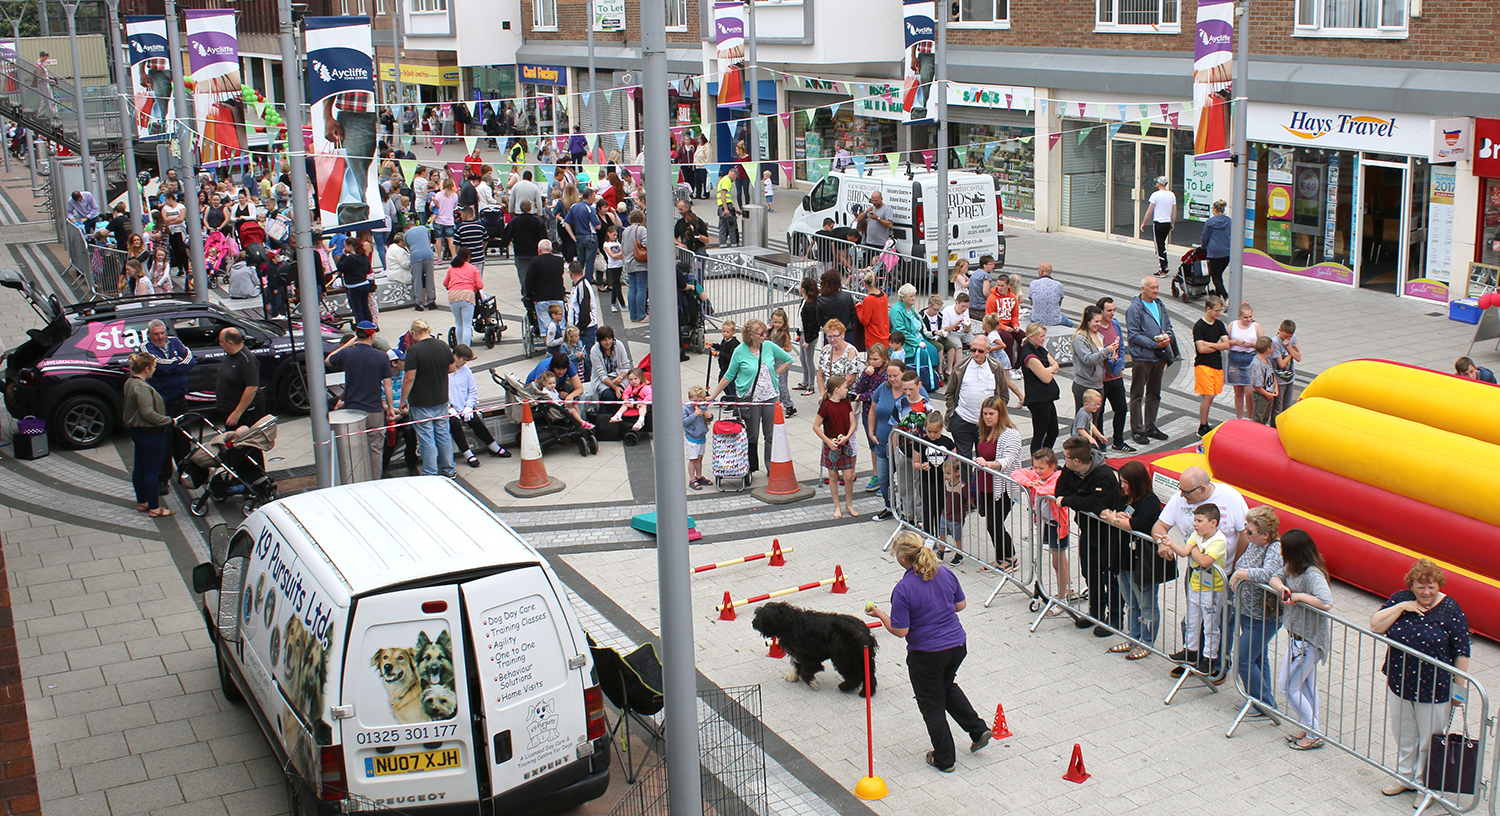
<point x="920" y="354"/>
<point x="1424" y="619"/>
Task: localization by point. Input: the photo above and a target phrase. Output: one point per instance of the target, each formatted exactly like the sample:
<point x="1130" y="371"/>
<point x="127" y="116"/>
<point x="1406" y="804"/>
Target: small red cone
<point x="1076" y="773"/>
<point x="776" y="650"/>
<point x="1001" y="729"/>
<point x="726" y="612"/>
<point x="840" y="586"/>
<point x="777" y="559"/>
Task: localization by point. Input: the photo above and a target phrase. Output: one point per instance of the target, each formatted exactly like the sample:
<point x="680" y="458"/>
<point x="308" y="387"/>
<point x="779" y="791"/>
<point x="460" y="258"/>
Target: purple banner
<point x="211" y="39"/>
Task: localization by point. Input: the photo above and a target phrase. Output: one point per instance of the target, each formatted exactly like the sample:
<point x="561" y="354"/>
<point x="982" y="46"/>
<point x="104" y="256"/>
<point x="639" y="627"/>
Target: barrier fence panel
<point x="1345" y="700"/>
<point x="1095" y="573"/>
<point x="891" y="268"/>
<point x="966" y="508"/>
<point x="736" y="289"/>
<point x="94" y="271"/>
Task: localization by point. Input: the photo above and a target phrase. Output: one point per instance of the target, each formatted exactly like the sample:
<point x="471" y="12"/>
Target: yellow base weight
<point x="870" y="788"/>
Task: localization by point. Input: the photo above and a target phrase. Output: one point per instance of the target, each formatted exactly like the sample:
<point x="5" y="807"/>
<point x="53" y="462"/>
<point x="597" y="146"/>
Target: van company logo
<point x="214" y="50"/>
<point x="329" y="74"/>
<point x="1307" y="126"/>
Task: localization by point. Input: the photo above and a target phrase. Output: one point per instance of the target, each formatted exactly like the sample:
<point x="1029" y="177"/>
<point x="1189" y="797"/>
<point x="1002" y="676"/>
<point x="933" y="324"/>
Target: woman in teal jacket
<point x="755" y="369"/>
<point x="920" y="354"/>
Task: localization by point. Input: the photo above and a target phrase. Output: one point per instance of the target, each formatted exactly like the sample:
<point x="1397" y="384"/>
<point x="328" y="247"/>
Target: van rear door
<point x="531" y="674"/>
<point x="972" y="218"/>
<point x="410" y="740"/>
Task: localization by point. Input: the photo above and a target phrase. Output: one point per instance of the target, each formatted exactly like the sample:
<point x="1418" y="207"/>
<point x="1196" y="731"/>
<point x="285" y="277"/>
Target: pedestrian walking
<point x="145" y="415"/>
<point x="1161" y="212"/>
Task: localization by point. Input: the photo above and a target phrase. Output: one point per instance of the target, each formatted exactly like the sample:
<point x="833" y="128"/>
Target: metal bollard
<point x="351" y="448"/>
<point x="753" y="233"/>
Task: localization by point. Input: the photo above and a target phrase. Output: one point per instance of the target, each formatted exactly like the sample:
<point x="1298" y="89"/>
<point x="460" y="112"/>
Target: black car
<point x="71" y="371"/>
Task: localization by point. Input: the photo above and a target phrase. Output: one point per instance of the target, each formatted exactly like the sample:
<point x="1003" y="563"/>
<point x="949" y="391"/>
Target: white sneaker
<point x="1014" y="374"/>
<point x="614" y="308"/>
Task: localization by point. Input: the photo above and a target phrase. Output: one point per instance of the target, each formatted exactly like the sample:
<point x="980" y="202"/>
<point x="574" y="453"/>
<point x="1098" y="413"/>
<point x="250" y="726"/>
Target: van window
<point x="825" y="196"/>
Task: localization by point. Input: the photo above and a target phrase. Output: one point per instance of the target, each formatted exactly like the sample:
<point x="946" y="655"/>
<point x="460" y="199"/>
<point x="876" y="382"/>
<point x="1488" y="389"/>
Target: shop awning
<point x="421" y="74"/>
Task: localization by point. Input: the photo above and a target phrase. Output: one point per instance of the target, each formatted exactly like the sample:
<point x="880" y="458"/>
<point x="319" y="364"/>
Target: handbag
<point x="1453" y="762"/>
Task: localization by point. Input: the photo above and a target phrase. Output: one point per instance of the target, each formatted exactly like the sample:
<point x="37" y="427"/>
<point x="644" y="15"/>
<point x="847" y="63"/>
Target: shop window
<point x="982" y="13"/>
<point x="1148" y="16"/>
<point x="543" y="15"/>
<point x="1351" y="18"/>
<point x="429" y="5"/>
<point x="677" y="15"/>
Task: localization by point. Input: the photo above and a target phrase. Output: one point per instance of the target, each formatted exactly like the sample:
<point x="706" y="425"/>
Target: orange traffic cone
<point x="1001" y="729"/>
<point x="726" y="611"/>
<point x="534" y="480"/>
<point x="776" y="650"/>
<point x="778" y="559"/>
<point x="1076" y="773"/>
<point x="782" y="486"/>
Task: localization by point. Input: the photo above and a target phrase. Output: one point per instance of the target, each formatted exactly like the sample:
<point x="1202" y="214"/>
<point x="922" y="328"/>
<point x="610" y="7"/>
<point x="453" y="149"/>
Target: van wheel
<point x="226" y="682"/>
<point x="300" y="799"/>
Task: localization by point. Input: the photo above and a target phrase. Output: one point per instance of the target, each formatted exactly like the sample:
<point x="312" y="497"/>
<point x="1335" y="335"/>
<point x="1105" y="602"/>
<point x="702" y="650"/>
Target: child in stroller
<point x="228" y="463"/>
<point x="635" y="404"/>
<point x="219" y="254"/>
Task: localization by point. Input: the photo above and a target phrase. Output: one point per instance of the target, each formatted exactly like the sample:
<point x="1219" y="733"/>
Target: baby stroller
<point x="487" y="323"/>
<point x="532" y="340"/>
<point x="554" y="425"/>
<point x="493" y="219"/>
<point x="692" y="309"/>
<point x="1191" y="281"/>
<point x="219" y="254"/>
<point x="228" y="463"/>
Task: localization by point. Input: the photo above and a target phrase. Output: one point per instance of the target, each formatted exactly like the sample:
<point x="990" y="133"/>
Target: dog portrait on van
<point x="418" y="680"/>
<point x="304" y="681"/>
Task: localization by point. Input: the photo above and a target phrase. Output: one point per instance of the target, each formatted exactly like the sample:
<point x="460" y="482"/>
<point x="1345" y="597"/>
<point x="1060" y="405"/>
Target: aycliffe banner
<point x="1213" y="71"/>
<point x="919" y="61"/>
<point x="150" y="75"/>
<point x="729" y="28"/>
<point x="341" y="88"/>
<point x="214" y="61"/>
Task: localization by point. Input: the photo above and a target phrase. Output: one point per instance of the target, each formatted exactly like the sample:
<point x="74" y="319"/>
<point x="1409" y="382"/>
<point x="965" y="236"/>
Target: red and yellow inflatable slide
<point x="1382" y="464"/>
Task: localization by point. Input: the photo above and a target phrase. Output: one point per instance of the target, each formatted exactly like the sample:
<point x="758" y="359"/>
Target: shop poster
<point x="214" y="61"/>
<point x="1279" y="219"/>
<point x="1199" y="189"/>
<point x="609" y="15"/>
<point x="150" y="75"/>
<point x="341" y="86"/>
<point x="1252" y="183"/>
<point x="1331" y="208"/>
<point x="1308" y="193"/>
<point x="1213" y="73"/>
<point x="1440" y="210"/>
<point x="919" y="62"/>
<point x="729" y="27"/>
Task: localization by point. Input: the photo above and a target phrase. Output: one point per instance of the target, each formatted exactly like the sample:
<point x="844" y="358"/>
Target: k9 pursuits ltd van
<point x="401" y="647"/>
<point x="976" y="221"/>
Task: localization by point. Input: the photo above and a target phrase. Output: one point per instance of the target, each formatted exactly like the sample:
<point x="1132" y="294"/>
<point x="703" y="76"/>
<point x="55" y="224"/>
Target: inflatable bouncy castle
<point x="1382" y="464"/>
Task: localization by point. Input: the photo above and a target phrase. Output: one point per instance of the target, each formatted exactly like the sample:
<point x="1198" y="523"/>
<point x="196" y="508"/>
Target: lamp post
<point x="41" y="18"/>
<point x="185" y="151"/>
<point x="396" y="58"/>
<point x="757" y="193"/>
<point x="315" y="378"/>
<point x="940" y="90"/>
<point x="1241" y="113"/>
<point x="593" y="100"/>
<point x="127" y="121"/>
<point x="83" y="123"/>
<point x="684" y="791"/>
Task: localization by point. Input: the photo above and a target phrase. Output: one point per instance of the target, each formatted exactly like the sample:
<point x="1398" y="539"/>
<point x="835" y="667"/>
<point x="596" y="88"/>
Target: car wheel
<point x="226" y="682"/>
<point x="291" y="390"/>
<point x="82" y="421"/>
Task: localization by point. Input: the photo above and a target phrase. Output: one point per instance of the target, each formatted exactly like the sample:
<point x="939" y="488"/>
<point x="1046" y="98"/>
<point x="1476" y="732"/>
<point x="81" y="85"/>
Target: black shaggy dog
<point x="810" y="637"/>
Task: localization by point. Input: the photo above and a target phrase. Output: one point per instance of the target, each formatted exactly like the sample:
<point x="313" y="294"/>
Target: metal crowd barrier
<point x="850" y="256"/>
<point x="94" y="271"/>
<point x="1352" y="708"/>
<point x="973" y="521"/>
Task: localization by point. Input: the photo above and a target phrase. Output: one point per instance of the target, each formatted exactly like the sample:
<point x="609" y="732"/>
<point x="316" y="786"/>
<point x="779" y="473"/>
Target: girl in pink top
<point x="636" y="400"/>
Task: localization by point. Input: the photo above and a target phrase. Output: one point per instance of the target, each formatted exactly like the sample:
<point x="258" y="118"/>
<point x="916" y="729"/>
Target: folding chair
<point x="632" y="683"/>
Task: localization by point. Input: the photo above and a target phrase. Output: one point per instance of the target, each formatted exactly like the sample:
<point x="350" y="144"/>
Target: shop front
<point x="993" y="134"/>
<point x="541" y="110"/>
<point x="1350" y="197"/>
<point x="423" y="84"/>
<point x="491" y="81"/>
<point x="1109" y="171"/>
<point x="1486" y="167"/>
<point x="859" y="118"/>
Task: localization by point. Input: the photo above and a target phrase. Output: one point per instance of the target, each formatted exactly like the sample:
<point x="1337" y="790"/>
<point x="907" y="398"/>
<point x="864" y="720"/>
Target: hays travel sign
<point x="1373" y="131"/>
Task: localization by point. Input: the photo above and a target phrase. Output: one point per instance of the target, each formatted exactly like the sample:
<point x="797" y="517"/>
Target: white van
<point x="402" y="648"/>
<point x="976" y="221"/>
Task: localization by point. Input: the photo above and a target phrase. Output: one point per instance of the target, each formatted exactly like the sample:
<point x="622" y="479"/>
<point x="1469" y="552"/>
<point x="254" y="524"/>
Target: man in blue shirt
<point x="1466" y="368"/>
<point x="581" y="222"/>
<point x="1149" y="329"/>
<point x="569" y="385"/>
<point x="84" y="208"/>
<point x="173" y="362"/>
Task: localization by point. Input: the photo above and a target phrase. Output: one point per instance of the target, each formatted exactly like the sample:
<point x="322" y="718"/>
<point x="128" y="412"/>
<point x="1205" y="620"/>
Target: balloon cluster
<point x="1488" y="300"/>
<point x="271" y="116"/>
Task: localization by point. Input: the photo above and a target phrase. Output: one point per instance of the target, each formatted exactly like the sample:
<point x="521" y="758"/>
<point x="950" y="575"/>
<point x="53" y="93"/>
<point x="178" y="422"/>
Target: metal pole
<point x="31" y="155"/>
<point x="41" y="17"/>
<point x="127" y="121"/>
<point x="1241" y="113"/>
<point x="314" y="377"/>
<point x="400" y="96"/>
<point x="83" y="122"/>
<point x="940" y="90"/>
<point x="185" y="157"/>
<point x="593" y="100"/>
<point x="757" y="193"/>
<point x="684" y="790"/>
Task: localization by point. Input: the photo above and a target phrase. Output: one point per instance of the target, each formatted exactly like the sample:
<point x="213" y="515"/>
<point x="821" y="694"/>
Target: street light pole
<point x="757" y="193"/>
<point x="396" y="52"/>
<point x="673" y="570"/>
<point x="593" y="97"/>
<point x="185" y="151"/>
<point x="83" y="121"/>
<point x="41" y="17"/>
<point x="127" y="121"/>
<point x="940" y="90"/>
<point x="315" y="377"/>
<point x="1241" y="112"/>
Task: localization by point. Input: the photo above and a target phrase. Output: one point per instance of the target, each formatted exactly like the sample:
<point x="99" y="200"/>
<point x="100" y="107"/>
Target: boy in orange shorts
<point x="1210" y="338"/>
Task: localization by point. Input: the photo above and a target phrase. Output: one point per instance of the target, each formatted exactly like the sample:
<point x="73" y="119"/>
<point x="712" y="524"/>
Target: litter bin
<point x="753" y="233"/>
<point x="350" y="447"/>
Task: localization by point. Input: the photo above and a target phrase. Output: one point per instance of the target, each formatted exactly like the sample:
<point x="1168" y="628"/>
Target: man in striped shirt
<point x="472" y="235"/>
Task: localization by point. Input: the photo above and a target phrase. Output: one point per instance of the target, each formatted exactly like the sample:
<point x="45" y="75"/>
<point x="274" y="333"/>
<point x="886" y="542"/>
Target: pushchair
<point x="532" y="340"/>
<point x="227" y="463"/>
<point x="487" y="323"/>
<point x="1191" y="281"/>
<point x="554" y="425"/>
<point x="633" y="685"/>
<point x="219" y="254"/>
<point x="493" y="219"/>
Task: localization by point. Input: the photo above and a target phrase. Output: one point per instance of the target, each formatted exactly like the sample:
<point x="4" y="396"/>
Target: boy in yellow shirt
<point x="1204" y="548"/>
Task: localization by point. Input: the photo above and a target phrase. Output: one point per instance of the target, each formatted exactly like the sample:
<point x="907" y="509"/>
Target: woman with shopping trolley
<point x="754" y="369"/>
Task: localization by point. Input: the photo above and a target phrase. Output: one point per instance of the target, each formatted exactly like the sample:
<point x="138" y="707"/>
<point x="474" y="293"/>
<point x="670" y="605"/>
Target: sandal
<point x="1120" y="648"/>
<point x="1137" y="653"/>
<point x="160" y="512"/>
<point x="693" y="485"/>
<point x="1054" y="612"/>
<point x="141" y="508"/>
<point x="1311" y="746"/>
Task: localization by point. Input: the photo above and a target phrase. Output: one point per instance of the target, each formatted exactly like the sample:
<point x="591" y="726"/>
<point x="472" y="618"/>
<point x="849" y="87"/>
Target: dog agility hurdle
<point x="840" y="586"/>
<point x="776" y="555"/>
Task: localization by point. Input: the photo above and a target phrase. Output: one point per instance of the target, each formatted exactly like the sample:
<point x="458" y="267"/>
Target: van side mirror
<point x="807" y="203"/>
<point x="205" y="577"/>
<point x="231" y="590"/>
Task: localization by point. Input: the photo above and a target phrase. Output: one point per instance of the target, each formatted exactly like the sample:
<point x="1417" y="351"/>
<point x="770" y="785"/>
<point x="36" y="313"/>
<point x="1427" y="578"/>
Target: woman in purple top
<point x="924" y="611"/>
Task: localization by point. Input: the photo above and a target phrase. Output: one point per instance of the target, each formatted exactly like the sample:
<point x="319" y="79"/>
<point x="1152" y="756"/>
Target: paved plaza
<point x="121" y="692"/>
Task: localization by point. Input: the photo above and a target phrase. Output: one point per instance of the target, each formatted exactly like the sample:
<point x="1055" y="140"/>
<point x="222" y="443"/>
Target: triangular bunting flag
<point x="1145" y="126"/>
<point x="1163" y="110"/>
<point x="1172" y="117"/>
<point x="786" y="170"/>
<point x="833" y="110"/>
<point x="593" y="172"/>
<point x="1052" y="140"/>
<point x="586" y="97"/>
<point x="548" y="171"/>
<point x="437" y="144"/>
<point x="859" y="164"/>
<point x="609" y="96"/>
<point x="1083" y="110"/>
<point x="1007" y="101"/>
<point x="407" y="141"/>
<point x="1123" y="114"/>
<point x="818" y="169"/>
<point x="408" y="168"/>
<point x="1114" y="127"/>
<point x="893" y="159"/>
<point x="714" y="171"/>
<point x="988" y="150"/>
<point x="811" y="114"/>
<point x="1145" y="113"/>
<point x="786" y="121"/>
<point x="469" y="143"/>
<point x="1083" y="135"/>
<point x="620" y="142"/>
